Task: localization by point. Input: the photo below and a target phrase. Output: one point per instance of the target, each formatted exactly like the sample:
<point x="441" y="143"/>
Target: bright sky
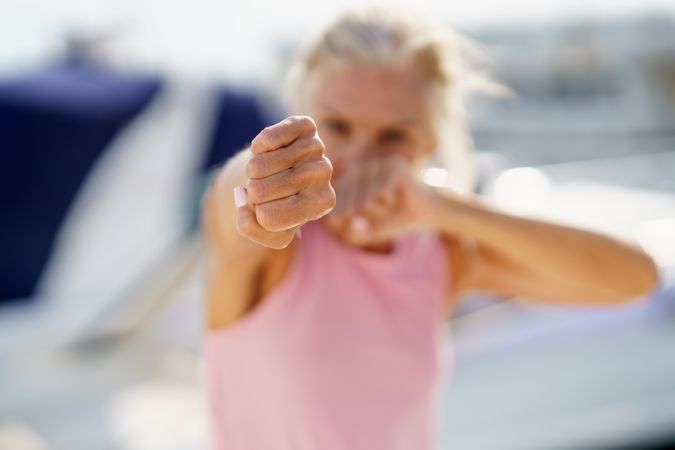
<point x="207" y="36"/>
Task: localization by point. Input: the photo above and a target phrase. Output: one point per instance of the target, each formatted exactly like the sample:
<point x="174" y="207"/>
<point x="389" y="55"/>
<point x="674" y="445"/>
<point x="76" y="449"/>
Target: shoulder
<point x="234" y="289"/>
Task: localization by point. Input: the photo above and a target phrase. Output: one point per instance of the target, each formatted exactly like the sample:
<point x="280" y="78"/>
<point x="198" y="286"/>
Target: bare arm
<point x="499" y="252"/>
<point x="234" y="261"/>
<point x="540" y="260"/>
<point x="287" y="183"/>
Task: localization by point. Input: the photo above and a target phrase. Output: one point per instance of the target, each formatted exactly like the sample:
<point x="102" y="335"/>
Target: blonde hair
<point x="384" y="35"/>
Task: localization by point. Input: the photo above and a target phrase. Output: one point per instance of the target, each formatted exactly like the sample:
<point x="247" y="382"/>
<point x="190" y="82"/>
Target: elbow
<point x="651" y="278"/>
<point x="647" y="279"/>
<point x="640" y="283"/>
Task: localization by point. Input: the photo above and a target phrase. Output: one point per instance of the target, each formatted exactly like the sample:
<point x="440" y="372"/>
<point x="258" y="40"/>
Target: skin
<point x="356" y="158"/>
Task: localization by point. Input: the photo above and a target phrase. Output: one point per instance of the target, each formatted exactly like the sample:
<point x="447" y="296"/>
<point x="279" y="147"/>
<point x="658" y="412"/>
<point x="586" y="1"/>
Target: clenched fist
<point x="288" y="183"/>
<point x="378" y="200"/>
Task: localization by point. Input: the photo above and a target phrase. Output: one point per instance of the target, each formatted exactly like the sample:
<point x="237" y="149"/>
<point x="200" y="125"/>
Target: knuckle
<point x="304" y="123"/>
<point x="323" y="202"/>
<point x="307" y="174"/>
<point x="268" y="218"/>
<point x="278" y="244"/>
<point x="282" y="240"/>
<point x="320" y="170"/>
<point x="315" y="143"/>
<point x="325" y="168"/>
<point x="269" y="137"/>
<point x="329" y="198"/>
<point x="263" y="139"/>
<point x="255" y="168"/>
<point x="245" y="225"/>
<point x="256" y="191"/>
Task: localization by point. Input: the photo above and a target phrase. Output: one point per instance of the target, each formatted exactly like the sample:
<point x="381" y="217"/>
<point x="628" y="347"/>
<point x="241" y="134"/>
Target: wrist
<point x="435" y="206"/>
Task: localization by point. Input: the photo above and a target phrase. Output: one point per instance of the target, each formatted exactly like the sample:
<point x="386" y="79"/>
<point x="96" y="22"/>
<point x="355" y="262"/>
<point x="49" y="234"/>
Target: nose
<point x="356" y="156"/>
<point x="363" y="150"/>
<point x="355" y="153"/>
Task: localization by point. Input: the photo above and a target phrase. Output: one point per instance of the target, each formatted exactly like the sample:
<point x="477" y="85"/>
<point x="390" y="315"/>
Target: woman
<point x="329" y="338"/>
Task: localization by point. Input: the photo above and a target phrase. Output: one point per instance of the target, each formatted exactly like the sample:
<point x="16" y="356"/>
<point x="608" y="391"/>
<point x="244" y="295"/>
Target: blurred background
<point x="113" y="114"/>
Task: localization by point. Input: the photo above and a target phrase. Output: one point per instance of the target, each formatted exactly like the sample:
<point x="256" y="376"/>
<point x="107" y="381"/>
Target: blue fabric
<point x="53" y="126"/>
<point x="239" y="119"/>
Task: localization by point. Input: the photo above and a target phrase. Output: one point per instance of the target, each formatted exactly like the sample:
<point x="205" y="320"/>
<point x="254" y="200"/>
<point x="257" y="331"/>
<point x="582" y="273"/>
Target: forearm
<point x="219" y="214"/>
<point x="547" y="250"/>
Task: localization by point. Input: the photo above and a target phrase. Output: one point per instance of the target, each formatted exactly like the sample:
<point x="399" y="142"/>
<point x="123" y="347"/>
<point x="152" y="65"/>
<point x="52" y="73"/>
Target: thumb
<point x="246" y="220"/>
<point x="240" y="197"/>
<point x="247" y="223"/>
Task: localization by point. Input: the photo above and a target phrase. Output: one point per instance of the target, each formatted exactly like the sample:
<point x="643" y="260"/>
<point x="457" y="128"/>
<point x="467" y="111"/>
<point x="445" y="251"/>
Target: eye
<point x="393" y="136"/>
<point x="336" y="126"/>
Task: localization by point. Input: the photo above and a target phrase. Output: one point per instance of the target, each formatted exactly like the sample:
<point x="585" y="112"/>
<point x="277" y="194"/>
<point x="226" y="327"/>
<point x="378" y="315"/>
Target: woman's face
<point x="364" y="112"/>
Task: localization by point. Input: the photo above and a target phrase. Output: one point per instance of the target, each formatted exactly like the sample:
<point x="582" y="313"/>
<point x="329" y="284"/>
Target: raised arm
<point x="280" y="183"/>
<point x="493" y="250"/>
<point x="526" y="257"/>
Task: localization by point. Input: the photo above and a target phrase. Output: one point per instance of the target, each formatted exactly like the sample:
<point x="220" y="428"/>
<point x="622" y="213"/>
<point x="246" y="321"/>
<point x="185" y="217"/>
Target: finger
<point x="248" y="227"/>
<point x="268" y="163"/>
<point x="346" y="192"/>
<point x="372" y="184"/>
<point x="339" y="219"/>
<point x="347" y="201"/>
<point x="282" y="134"/>
<point x="375" y="210"/>
<point x="379" y="200"/>
<point x="359" y="226"/>
<point x="240" y="197"/>
<point x="293" y="211"/>
<point x="367" y="210"/>
<point x="289" y="182"/>
<point x="385" y="196"/>
<point x="396" y="171"/>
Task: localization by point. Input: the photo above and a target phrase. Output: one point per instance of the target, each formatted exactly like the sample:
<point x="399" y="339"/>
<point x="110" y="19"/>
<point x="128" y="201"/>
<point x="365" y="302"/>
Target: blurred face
<point x="364" y="112"/>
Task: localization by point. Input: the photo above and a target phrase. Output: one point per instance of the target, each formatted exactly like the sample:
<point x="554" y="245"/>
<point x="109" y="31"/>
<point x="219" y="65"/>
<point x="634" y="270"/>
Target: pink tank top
<point x="345" y="354"/>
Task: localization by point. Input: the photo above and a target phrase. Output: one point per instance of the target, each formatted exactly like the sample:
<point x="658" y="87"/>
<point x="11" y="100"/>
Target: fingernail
<point x="240" y="197"/>
<point x="359" y="224"/>
<point x="298" y="232"/>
